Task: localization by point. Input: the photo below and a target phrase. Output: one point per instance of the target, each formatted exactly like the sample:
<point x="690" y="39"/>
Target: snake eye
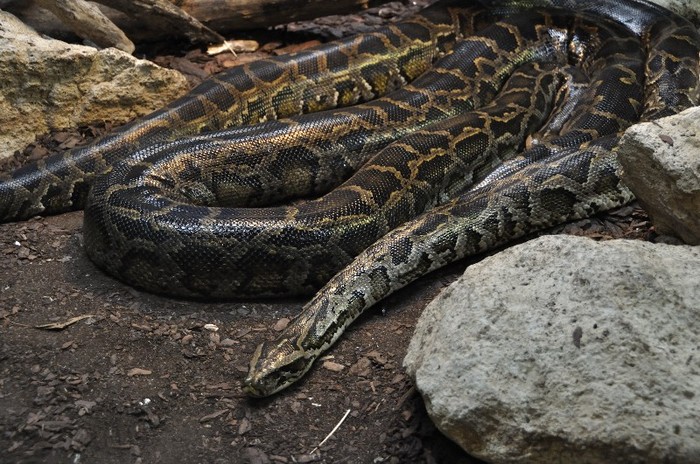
<point x="295" y="369"/>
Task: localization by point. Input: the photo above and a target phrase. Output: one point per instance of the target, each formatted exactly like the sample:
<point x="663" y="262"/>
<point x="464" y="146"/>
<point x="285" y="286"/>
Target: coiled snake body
<point x="470" y="125"/>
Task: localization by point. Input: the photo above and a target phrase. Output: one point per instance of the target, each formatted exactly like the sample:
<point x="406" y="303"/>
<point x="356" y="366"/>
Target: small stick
<point x="332" y="432"/>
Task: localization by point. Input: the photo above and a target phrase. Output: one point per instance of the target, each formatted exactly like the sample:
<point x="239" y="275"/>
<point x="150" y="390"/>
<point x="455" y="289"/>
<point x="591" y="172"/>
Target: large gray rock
<point x="563" y="349"/>
<point x="48" y="84"/>
<point x="661" y="165"/>
<point x="689" y="9"/>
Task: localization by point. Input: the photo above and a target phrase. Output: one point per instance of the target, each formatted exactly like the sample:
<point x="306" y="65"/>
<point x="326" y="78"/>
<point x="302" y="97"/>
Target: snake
<point x="350" y="169"/>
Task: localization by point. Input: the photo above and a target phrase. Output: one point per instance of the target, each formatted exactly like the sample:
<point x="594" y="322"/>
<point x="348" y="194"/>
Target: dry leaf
<point x="63" y="325"/>
<point x="67" y="345"/>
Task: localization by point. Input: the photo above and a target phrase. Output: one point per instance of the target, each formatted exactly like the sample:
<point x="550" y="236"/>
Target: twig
<point x="332" y="432"/>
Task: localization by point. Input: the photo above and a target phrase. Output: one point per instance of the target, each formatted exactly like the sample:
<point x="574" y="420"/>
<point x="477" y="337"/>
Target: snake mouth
<point x="250" y="389"/>
<point x="259" y="384"/>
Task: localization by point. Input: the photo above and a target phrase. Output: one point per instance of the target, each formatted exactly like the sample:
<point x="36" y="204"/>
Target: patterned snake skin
<point x="468" y="126"/>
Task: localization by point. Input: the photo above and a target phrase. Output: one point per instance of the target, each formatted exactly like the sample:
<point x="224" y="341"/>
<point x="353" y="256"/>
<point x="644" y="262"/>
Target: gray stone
<point x="689" y="9"/>
<point x="48" y="84"/>
<point x="564" y="349"/>
<point x="661" y="165"/>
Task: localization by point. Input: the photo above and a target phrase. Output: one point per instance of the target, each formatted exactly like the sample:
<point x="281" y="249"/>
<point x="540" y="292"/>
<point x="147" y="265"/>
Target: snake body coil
<point x="459" y="130"/>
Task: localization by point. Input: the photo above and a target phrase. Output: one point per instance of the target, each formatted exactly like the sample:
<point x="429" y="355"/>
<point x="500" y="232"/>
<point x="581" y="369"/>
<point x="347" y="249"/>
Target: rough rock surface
<point x="661" y="165"/>
<point x="690" y="9"/>
<point x="564" y="349"/>
<point x="49" y="84"/>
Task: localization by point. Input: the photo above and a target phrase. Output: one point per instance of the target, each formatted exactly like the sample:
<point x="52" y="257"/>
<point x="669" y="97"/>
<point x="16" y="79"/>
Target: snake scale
<point x="359" y="165"/>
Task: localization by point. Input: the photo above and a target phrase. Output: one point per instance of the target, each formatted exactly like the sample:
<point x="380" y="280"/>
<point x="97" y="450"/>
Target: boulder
<point x="564" y="349"/>
<point x="661" y="165"/>
<point x="49" y="84"/>
<point x="688" y="9"/>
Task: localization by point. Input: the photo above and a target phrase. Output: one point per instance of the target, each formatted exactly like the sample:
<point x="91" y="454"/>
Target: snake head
<point x="276" y="365"/>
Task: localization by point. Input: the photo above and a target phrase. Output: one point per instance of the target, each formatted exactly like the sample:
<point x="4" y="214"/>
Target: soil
<point x="94" y="371"/>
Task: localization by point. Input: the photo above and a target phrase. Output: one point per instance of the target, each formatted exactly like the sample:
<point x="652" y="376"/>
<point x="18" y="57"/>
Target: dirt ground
<point x="94" y="371"/>
<point x="141" y="378"/>
<point x="148" y="379"/>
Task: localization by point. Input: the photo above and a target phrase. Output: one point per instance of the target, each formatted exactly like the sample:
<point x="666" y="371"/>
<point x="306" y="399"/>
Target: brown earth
<point x="146" y="379"/>
<point x="123" y="376"/>
<point x="141" y="378"/>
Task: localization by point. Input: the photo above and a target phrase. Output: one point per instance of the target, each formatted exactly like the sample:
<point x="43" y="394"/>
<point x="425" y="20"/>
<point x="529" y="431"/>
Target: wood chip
<point x="332" y="366"/>
<point x="244" y="427"/>
<point x="297" y="47"/>
<point x="226" y="342"/>
<point x="377" y="357"/>
<point x="213" y="415"/>
<point x="362" y="368"/>
<point x="138" y="371"/>
<point x="234" y="46"/>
